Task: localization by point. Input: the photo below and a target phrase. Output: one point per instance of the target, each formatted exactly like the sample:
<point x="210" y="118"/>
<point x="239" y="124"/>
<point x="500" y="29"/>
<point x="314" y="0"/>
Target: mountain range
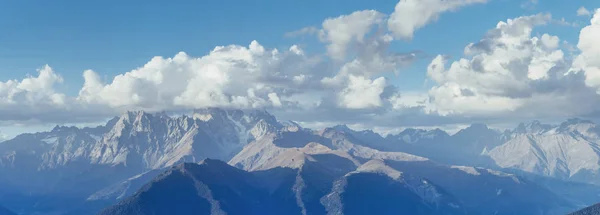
<point x="228" y="156"/>
<point x="213" y="187"/>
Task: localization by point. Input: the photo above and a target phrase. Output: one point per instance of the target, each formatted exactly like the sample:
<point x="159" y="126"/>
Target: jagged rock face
<point x="157" y="141"/>
<point x="46" y="163"/>
<point x="141" y="140"/>
<point x="418" y="135"/>
<point x="569" y="151"/>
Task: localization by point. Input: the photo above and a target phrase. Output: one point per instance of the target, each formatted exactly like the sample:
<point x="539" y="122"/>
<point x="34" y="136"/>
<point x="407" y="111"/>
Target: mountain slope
<point x="125" y="188"/>
<point x="569" y="151"/>
<point x="213" y="187"/>
<point x="592" y="210"/>
<point x="389" y="192"/>
<point x="66" y="168"/>
<point x="487" y="191"/>
<point x="4" y="211"/>
<point x="482" y="190"/>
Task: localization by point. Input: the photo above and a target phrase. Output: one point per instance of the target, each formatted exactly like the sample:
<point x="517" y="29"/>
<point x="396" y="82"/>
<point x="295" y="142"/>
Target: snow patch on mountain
<point x="263" y="154"/>
<point x="467" y="169"/>
<point x="50" y="140"/>
<point x="368" y="153"/>
<point x="560" y="152"/>
<point x="378" y="166"/>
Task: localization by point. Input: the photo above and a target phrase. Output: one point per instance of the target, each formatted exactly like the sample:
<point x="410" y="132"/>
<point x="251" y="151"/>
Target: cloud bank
<point x="509" y="74"/>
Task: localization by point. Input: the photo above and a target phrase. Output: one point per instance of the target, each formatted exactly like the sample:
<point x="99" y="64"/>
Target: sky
<point x="382" y="65"/>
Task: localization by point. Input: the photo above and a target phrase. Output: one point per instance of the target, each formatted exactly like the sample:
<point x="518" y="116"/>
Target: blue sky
<point x="114" y="37"/>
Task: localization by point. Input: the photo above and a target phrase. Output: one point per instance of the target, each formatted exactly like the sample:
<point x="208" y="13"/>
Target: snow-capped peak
<point x="566" y="151"/>
<point x="342" y="128"/>
<point x="412" y="135"/>
<point x="575" y="126"/>
<point x="467" y="169"/>
<point x="533" y="127"/>
<point x="582" y="127"/>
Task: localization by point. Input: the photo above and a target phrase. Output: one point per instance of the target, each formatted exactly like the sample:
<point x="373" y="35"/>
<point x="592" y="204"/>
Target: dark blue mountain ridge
<point x="213" y="187"/>
<point x="592" y="210"/>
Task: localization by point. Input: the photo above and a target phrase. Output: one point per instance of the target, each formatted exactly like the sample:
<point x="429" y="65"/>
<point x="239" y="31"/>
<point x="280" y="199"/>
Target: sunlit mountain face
<point x="437" y="107"/>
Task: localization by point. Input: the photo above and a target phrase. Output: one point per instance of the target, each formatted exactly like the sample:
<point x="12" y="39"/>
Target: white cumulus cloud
<point x="362" y="92"/>
<point x="511" y="73"/>
<point x="582" y="11"/>
<point x="229" y="76"/>
<point x="410" y="15"/>
<point x="32" y="96"/>
<point x="342" y="31"/>
<point x="501" y="73"/>
<point x="33" y="91"/>
<point x="589" y="59"/>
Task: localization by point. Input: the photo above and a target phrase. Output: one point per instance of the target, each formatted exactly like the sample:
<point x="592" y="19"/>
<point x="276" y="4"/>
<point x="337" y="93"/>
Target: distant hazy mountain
<point x="592" y="210"/>
<point x="569" y="151"/>
<point x="463" y="148"/>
